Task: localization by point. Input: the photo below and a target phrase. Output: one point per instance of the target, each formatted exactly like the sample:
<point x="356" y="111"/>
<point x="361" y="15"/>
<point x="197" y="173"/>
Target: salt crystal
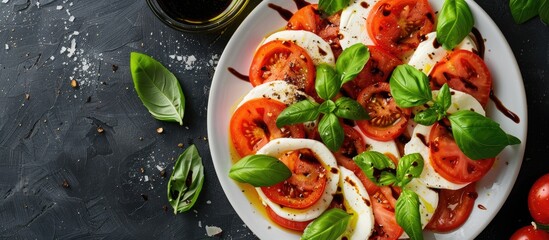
<point x="5" y="1"/>
<point x="213" y="230"/>
<point x="208" y="202"/>
<point x="72" y="49"/>
<point x="172" y="56"/>
<point x="146" y="178"/>
<point x="160" y="168"/>
<point x="63" y="49"/>
<point x="59" y="7"/>
<point x="71" y="19"/>
<point x="52" y="58"/>
<point x="38" y="4"/>
<point x="199" y="224"/>
<point x="7" y="46"/>
<point x="179" y="58"/>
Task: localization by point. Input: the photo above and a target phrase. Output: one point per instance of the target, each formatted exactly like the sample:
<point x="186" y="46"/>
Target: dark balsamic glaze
<point x="238" y="75"/>
<point x="301" y="3"/>
<point x="479" y="42"/>
<point x="284" y="13"/>
<point x="499" y="105"/>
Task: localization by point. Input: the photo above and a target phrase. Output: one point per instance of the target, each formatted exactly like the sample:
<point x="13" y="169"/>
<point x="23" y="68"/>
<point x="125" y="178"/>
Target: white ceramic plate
<point x="227" y="90"/>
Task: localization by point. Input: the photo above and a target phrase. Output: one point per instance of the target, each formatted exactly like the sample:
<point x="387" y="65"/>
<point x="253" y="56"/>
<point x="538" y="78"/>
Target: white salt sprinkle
<point x="213" y="230"/>
<point x="59" y="7"/>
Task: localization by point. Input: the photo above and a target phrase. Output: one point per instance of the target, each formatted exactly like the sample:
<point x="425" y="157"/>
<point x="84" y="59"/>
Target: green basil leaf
<point x="327" y="82"/>
<point x="426" y="117"/>
<point x="444" y="98"/>
<point x="407" y="214"/>
<point x="409" y="86"/>
<point x="370" y="161"/>
<point x="330" y="7"/>
<point x="352" y="61"/>
<point x="327" y="106"/>
<point x="350" y="109"/>
<point x="331" y="131"/>
<point x="300" y="112"/>
<point x="330" y="225"/>
<point x="524" y="10"/>
<point x="186" y="180"/>
<point x="157" y="88"/>
<point x="544" y="11"/>
<point x="409" y="166"/>
<point x="260" y="170"/>
<point x="477" y="136"/>
<point x="455" y="22"/>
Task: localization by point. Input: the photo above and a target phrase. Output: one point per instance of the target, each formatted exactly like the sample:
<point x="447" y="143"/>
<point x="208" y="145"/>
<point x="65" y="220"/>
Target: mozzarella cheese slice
<point x="352" y="27"/>
<point x="387" y="147"/>
<point x="356" y="202"/>
<point x="279" y="146"/>
<point x="429" y="52"/>
<point x="419" y="141"/>
<point x="318" y="49"/>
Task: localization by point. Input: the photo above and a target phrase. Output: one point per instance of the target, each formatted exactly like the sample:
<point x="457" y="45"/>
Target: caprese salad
<point x="367" y="120"/>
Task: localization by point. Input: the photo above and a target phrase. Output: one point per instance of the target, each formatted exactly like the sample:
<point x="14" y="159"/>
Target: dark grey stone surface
<point x="113" y="185"/>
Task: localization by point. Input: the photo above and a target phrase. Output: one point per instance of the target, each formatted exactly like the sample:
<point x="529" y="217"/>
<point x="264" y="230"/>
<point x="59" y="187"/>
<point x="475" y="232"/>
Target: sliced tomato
<point x="538" y="200"/>
<point x="387" y="120"/>
<point x="308" y="18"/>
<point x="450" y="162"/>
<point x="454" y="208"/>
<point x="383" y="206"/>
<point x="283" y="60"/>
<point x="378" y="69"/>
<point x="306" y="185"/>
<point x="289" y="224"/>
<point x="400" y="25"/>
<point x="253" y="125"/>
<point x="463" y="71"/>
<point x="530" y="233"/>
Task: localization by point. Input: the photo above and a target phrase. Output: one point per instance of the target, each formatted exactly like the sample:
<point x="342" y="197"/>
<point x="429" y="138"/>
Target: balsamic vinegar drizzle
<point x="301" y="3"/>
<point x="238" y="75"/>
<point x="499" y="105"/>
<point x="284" y="13"/>
<point x="479" y="42"/>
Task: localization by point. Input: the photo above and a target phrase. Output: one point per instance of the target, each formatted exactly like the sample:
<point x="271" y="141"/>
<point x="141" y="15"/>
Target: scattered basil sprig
<point x="186" y="180"/>
<point x="157" y="88"/>
<point x="330" y="7"/>
<point x="407" y="214"/>
<point x="524" y="10"/>
<point x="477" y="136"/>
<point x="330" y="225"/>
<point x="455" y="22"/>
<point x="379" y="168"/>
<point x="260" y="170"/>
<point x="327" y="85"/>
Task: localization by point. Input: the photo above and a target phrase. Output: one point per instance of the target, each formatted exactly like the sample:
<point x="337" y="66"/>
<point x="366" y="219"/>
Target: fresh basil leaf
<point x="409" y="166"/>
<point x="444" y="98"/>
<point x="350" y="109"/>
<point x="327" y="82"/>
<point x="409" y="86"/>
<point x="331" y="131"/>
<point x="407" y="214"/>
<point x="455" y="22"/>
<point x="330" y="225"/>
<point x="157" y="88"/>
<point x="327" y="106"/>
<point x="372" y="162"/>
<point x="352" y="61"/>
<point x="524" y="10"/>
<point x="426" y="117"/>
<point x="330" y="7"/>
<point x="260" y="170"/>
<point x="477" y="136"/>
<point x="186" y="180"/>
<point x="300" y="112"/>
<point x="544" y="11"/>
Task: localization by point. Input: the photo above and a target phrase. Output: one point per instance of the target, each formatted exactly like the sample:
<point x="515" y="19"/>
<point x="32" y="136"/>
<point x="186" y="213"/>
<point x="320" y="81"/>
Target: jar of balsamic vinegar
<point x="197" y="15"/>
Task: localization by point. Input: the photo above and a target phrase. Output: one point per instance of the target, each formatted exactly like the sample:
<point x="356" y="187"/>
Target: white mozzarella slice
<point x="388" y="147"/>
<point x="279" y="146"/>
<point x="357" y="202"/>
<point x="429" y="53"/>
<point x="318" y="49"/>
<point x="419" y="142"/>
<point x="352" y="27"/>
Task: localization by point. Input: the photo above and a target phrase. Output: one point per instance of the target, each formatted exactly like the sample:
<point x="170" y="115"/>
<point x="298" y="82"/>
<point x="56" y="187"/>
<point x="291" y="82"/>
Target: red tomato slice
<point x="308" y="18"/>
<point x="289" y="224"/>
<point x="450" y="162"/>
<point x="529" y="233"/>
<point x="538" y="200"/>
<point x="463" y="71"/>
<point x="454" y="208"/>
<point x="383" y="205"/>
<point x="283" y="60"/>
<point x="306" y="185"/>
<point x="400" y="25"/>
<point x="378" y="69"/>
<point x="387" y="120"/>
<point x="253" y="125"/>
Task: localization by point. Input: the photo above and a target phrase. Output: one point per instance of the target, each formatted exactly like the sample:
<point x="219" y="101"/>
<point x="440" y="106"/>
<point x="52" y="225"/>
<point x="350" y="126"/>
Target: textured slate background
<point x="61" y="179"/>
